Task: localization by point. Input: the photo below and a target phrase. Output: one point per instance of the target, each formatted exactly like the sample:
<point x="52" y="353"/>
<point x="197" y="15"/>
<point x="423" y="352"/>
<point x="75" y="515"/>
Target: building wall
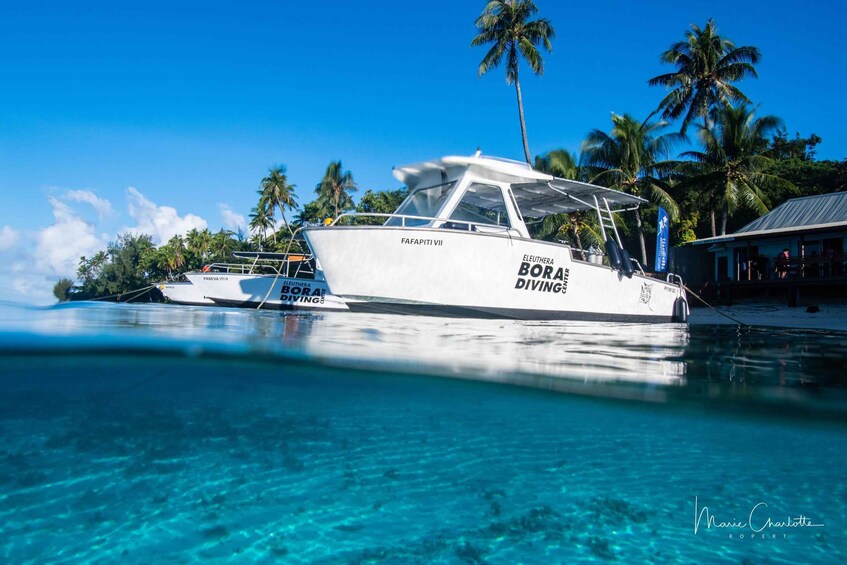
<point x="764" y="252"/>
<point x="692" y="263"/>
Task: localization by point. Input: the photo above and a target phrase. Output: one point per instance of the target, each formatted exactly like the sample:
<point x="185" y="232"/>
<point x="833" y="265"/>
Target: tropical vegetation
<point x="634" y="158"/>
<point x="276" y="193"/>
<point x="731" y="169"/>
<point x="506" y="25"/>
<point x="334" y="191"/>
<point x="578" y="228"/>
<point x="735" y="165"/>
<point x="707" y="65"/>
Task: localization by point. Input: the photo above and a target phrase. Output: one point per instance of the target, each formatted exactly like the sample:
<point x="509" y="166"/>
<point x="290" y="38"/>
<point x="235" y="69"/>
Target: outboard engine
<point x="613" y="251"/>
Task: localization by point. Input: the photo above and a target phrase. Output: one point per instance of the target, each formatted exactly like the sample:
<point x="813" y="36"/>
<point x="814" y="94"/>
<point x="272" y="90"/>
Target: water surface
<point x="149" y="433"/>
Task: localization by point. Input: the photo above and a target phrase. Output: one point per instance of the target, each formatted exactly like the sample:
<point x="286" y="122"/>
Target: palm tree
<point x="204" y="242"/>
<point x="277" y="193"/>
<point x="310" y="214"/>
<point x="177" y="247"/>
<point x="706" y="66"/>
<point x="90" y="269"/>
<point x="166" y="260"/>
<point x="559" y="163"/>
<point x="563" y="164"/>
<point x="198" y="242"/>
<point x="265" y="209"/>
<point x="170" y="257"/>
<point x="506" y="25"/>
<point x="731" y="168"/>
<point x="261" y="221"/>
<point x="334" y="190"/>
<point x="223" y="244"/>
<point x="632" y="159"/>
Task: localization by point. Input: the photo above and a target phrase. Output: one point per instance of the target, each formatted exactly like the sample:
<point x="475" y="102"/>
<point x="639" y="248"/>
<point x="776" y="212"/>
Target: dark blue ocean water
<point x="149" y="433"/>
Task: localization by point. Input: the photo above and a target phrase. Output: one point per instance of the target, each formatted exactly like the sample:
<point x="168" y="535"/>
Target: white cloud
<point x="58" y="247"/>
<point x="231" y="220"/>
<point x="8" y="238"/>
<point x="103" y="206"/>
<point x="33" y="260"/>
<point x="161" y="222"/>
<point x="33" y="288"/>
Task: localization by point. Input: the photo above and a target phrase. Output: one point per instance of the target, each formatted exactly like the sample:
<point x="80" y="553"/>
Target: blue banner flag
<point x="662" y="241"/>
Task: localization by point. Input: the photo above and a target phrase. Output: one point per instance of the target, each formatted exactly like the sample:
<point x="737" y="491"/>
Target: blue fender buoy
<point x="626" y="264"/>
<point x="613" y="253"/>
<point x="680" y="311"/>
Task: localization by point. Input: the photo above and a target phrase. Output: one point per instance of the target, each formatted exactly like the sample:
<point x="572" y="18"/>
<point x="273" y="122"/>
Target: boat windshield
<point x="482" y="204"/>
<point x="426" y="202"/>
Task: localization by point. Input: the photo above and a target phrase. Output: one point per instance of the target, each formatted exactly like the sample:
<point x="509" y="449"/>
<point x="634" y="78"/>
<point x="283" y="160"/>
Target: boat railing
<point x="238" y="268"/>
<point x="445" y="223"/>
<point x="282" y="264"/>
<point x="673" y="278"/>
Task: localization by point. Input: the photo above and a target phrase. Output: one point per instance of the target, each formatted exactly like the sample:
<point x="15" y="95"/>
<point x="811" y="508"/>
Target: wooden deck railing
<point x="811" y="267"/>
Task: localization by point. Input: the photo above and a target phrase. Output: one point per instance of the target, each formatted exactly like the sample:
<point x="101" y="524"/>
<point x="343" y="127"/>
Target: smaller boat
<point x="280" y="281"/>
<point x="183" y="292"/>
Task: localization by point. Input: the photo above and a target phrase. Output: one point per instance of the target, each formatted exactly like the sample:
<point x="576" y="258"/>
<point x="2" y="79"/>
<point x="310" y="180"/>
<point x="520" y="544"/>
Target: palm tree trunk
<point x="282" y="212"/>
<point x="335" y="197"/>
<point x="579" y="243"/>
<point x="523" y="122"/>
<point x="724" y="216"/>
<point x="714" y="226"/>
<point x="638" y="224"/>
<point x="575" y="225"/>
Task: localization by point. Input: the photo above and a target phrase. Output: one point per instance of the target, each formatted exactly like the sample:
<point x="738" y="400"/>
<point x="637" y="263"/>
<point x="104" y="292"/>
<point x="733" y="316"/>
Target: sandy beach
<point x="828" y="317"/>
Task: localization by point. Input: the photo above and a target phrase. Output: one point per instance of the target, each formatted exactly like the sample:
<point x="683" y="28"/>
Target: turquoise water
<point x="149" y="433"/>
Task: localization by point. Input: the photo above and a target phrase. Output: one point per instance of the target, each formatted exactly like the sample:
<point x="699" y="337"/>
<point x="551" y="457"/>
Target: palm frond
<point x="531" y="55"/>
<point x="492" y="59"/>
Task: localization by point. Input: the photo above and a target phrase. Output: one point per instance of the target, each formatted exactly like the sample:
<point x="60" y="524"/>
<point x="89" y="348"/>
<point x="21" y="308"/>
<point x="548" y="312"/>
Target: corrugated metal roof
<point x="806" y="211"/>
<point x="814" y="228"/>
<point x="798" y="215"/>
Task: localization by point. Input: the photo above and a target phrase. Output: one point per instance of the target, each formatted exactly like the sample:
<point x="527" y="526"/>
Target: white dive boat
<point x="281" y="281"/>
<point x="183" y="292"/>
<point x="459" y="246"/>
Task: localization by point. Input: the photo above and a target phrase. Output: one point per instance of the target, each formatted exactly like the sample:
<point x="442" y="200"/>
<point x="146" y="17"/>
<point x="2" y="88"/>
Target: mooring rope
<point x="698" y="297"/>
<point x="137" y="292"/>
<point x="279" y="271"/>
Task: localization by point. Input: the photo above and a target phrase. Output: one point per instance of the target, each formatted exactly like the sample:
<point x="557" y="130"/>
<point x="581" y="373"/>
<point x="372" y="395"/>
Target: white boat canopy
<point x="557" y="196"/>
<point x="536" y="194"/>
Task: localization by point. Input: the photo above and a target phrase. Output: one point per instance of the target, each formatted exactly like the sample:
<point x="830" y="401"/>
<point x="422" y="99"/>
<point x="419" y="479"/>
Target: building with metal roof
<point x="801" y="241"/>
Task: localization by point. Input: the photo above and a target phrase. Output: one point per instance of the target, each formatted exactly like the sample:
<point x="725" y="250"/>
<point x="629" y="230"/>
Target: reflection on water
<point x="656" y="362"/>
<point x="643" y="361"/>
<point x="146" y="434"/>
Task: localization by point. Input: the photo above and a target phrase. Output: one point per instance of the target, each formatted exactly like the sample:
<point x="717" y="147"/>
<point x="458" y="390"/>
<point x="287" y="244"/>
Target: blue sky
<point x="190" y="105"/>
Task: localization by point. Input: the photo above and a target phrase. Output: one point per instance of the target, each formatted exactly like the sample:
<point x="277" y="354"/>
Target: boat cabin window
<point x="426" y="202"/>
<point x="482" y="204"/>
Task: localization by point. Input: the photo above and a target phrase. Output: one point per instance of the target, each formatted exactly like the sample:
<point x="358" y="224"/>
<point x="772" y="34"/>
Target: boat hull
<point x="269" y="291"/>
<point x="454" y="273"/>
<point x="184" y="293"/>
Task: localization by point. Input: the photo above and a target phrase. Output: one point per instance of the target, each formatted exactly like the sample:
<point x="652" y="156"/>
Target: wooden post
<point x="802" y="256"/>
<point x="749" y="262"/>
